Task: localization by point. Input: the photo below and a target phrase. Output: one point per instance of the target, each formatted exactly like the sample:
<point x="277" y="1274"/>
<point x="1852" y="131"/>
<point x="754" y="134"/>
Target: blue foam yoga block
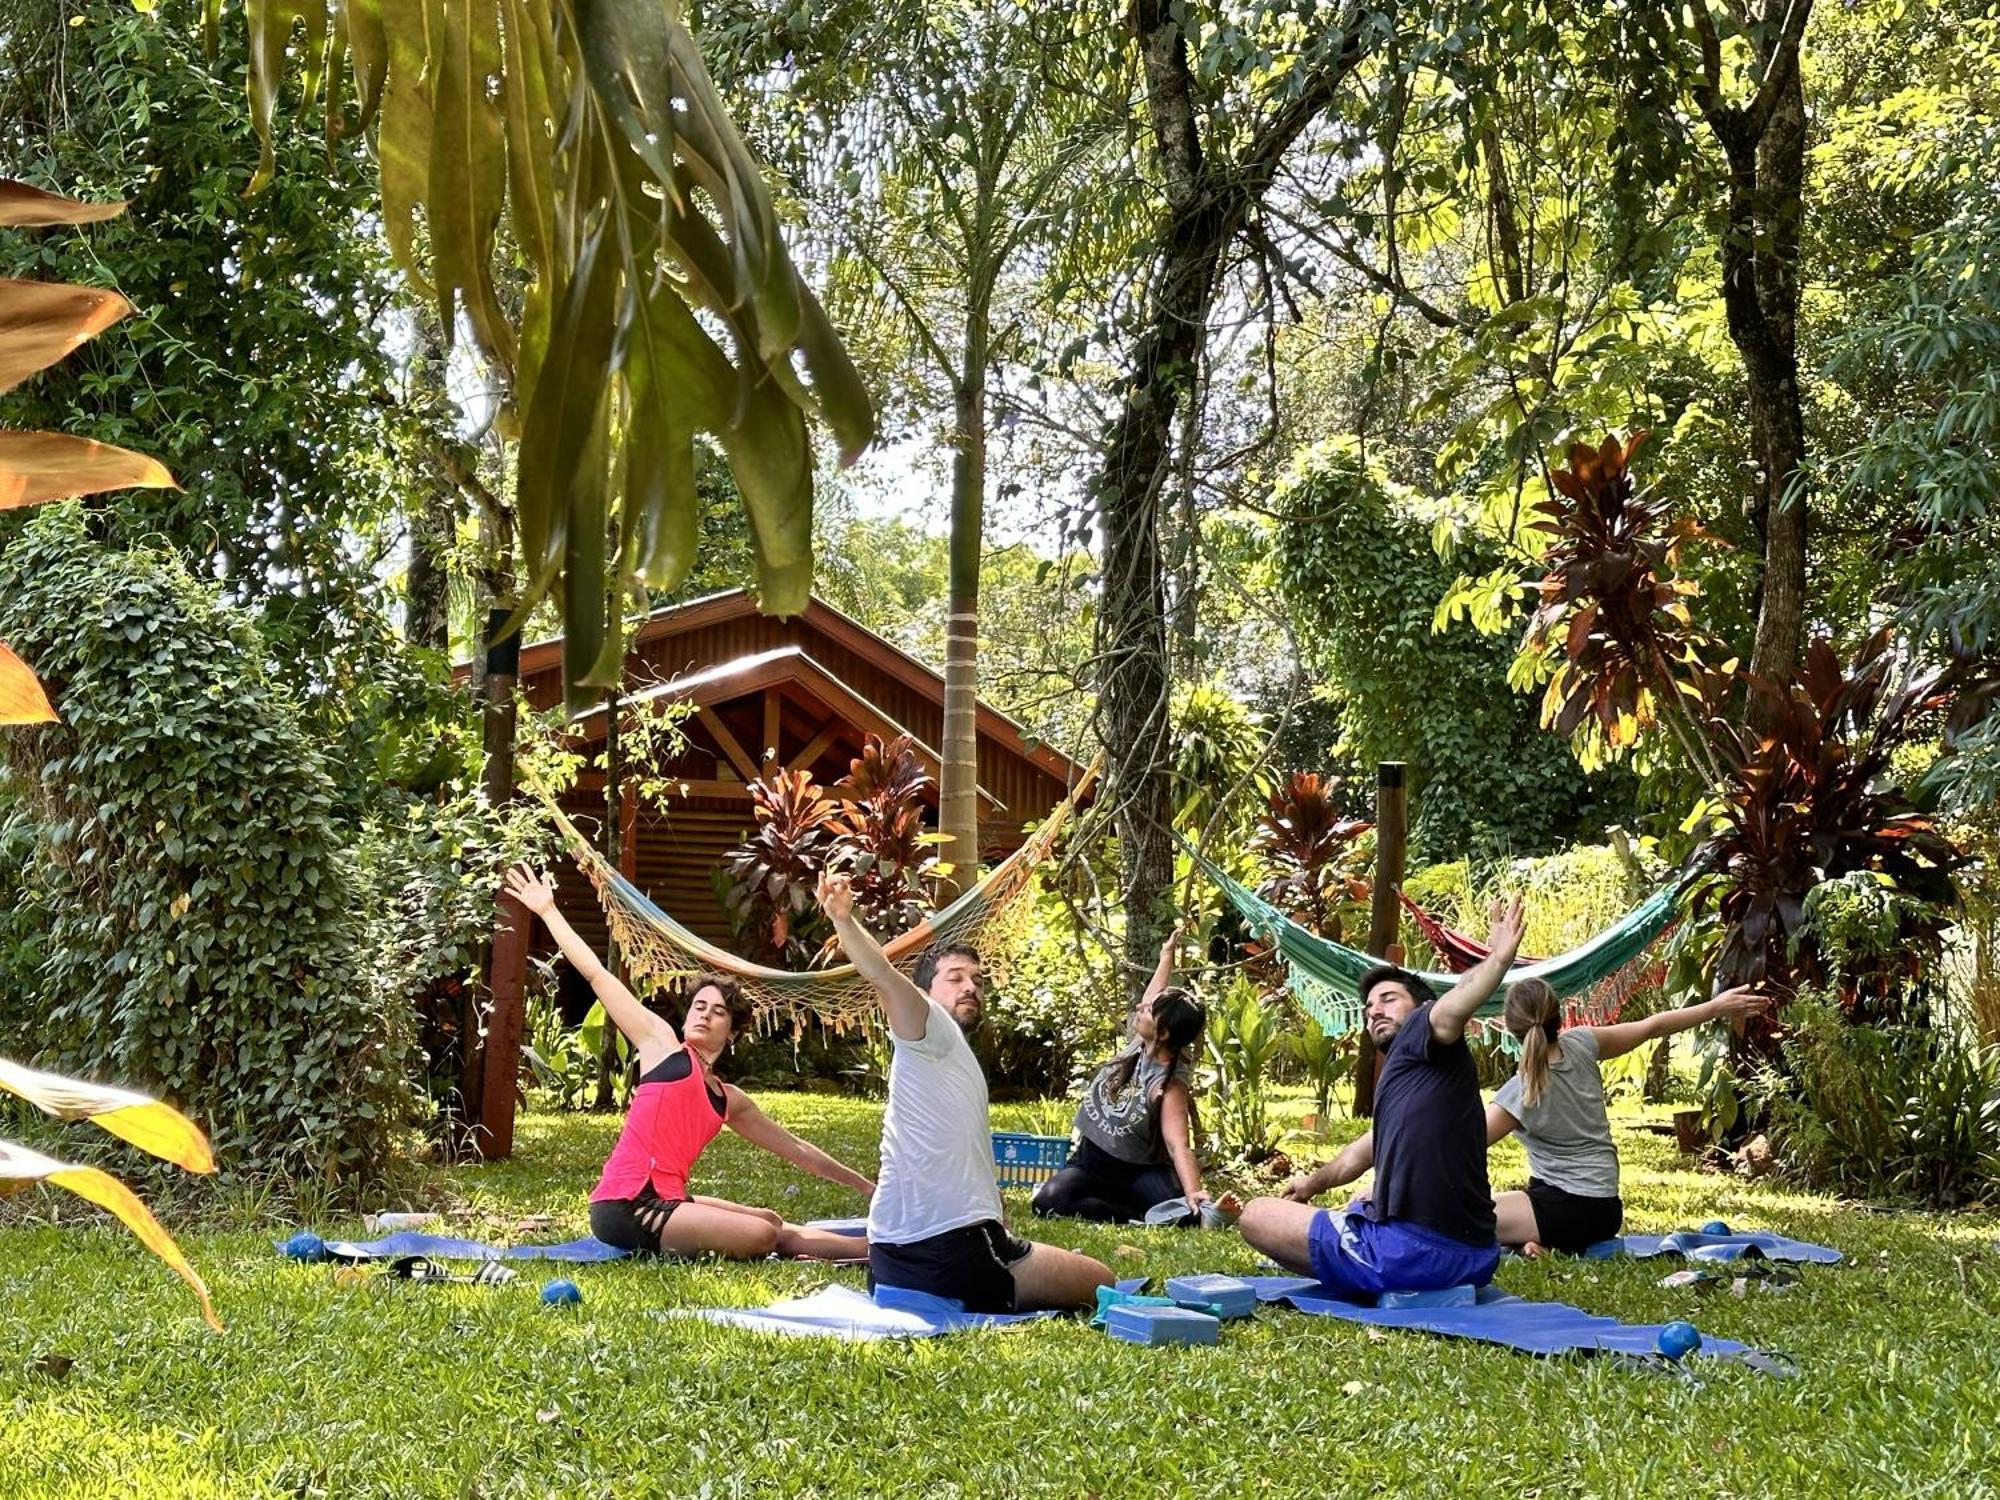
<point x="1235" y="1297"/>
<point x="1449" y="1296"/>
<point x="1160" y="1325"/>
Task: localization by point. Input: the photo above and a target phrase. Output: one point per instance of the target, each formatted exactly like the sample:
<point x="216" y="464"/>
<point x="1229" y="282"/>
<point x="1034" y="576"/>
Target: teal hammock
<point x="1325" y="975"/>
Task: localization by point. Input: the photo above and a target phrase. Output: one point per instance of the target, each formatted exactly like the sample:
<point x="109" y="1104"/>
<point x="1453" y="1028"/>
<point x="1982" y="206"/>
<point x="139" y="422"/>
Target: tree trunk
<point x="1764" y="144"/>
<point x="958" y="792"/>
<point x="434" y="523"/>
<point x="1207" y="204"/>
<point x="1777" y="415"/>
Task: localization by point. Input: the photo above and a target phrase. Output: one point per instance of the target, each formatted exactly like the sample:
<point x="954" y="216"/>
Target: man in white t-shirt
<point x="935" y="1223"/>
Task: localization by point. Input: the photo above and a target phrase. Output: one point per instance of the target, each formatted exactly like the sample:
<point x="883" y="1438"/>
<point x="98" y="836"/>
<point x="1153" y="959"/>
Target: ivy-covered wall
<point x="199" y="923"/>
<point x="1361" y="580"/>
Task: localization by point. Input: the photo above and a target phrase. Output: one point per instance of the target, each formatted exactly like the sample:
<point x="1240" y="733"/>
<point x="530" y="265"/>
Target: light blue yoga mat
<point x="1499" y="1317"/>
<point x="1692" y="1244"/>
<point x="403" y="1242"/>
<point x="843" y="1312"/>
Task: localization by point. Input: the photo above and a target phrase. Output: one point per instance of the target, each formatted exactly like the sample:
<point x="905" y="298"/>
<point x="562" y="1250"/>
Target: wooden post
<point x="1392" y="837"/>
<point x="494" y="1062"/>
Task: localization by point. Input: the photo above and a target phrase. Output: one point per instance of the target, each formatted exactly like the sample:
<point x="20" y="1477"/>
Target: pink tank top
<point x="665" y="1130"/>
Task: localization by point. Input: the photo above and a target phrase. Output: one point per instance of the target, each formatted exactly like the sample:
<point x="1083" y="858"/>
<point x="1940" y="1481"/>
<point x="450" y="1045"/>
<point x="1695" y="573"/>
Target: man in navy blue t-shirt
<point x="1428" y="1222"/>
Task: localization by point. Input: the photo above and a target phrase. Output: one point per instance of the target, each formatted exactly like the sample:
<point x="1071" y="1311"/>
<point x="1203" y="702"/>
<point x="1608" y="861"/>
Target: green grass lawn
<point x="396" y="1390"/>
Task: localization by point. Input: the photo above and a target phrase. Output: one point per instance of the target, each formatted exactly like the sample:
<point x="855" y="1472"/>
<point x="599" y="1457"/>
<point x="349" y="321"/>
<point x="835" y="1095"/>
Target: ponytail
<point x="1534" y="1017"/>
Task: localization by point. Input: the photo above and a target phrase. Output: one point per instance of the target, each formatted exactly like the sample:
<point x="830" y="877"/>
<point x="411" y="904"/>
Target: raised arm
<point x="651" y="1035"/>
<point x="1476" y="985"/>
<point x="1163" y="972"/>
<point x="759" y="1129"/>
<point x="1356" y="1157"/>
<point x="1176" y="1129"/>
<point x="1731" y="1005"/>
<point x="906" y="1007"/>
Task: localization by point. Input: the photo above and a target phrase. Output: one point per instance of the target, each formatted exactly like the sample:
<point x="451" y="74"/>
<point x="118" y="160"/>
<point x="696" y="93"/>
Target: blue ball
<point x="1679" y="1339"/>
<point x="1715" y="1226"/>
<point x="561" y="1292"/>
<point x="305" y="1245"/>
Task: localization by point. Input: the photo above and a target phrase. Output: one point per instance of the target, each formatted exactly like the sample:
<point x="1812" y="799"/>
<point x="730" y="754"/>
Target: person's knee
<point x="1258" y="1223"/>
<point x="754" y="1238"/>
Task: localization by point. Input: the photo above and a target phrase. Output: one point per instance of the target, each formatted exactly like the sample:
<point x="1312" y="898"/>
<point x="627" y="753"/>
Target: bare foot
<point x="1229" y="1206"/>
<point x="1531" y="1251"/>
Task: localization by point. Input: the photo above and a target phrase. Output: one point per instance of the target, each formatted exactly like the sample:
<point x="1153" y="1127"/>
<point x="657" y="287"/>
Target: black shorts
<point x="1570" y="1222"/>
<point x="973" y="1265"/>
<point x="633" y="1223"/>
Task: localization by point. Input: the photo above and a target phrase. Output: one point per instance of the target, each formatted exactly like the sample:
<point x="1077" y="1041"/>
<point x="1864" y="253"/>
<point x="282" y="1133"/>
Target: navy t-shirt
<point x="1430" y="1136"/>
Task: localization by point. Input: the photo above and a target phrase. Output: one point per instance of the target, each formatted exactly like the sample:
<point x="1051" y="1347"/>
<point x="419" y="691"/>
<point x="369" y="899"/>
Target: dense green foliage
<point x="1896" y="1112"/>
<point x="260" y="367"/>
<point x="203" y="928"/>
<point x="1362" y="580"/>
<point x="394" y="1390"/>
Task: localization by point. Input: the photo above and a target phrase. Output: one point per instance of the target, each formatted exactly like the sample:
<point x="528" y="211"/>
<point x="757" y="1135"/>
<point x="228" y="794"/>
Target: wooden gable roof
<point x="719" y="651"/>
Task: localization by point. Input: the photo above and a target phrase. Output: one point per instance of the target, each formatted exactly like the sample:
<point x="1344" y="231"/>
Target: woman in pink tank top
<point x="642" y="1201"/>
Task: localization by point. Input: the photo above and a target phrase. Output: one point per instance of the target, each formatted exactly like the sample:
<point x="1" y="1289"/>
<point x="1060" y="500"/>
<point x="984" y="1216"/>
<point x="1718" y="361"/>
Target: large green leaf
<point x="634" y="202"/>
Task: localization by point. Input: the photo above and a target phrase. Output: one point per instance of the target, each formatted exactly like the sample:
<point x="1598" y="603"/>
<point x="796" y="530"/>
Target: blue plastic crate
<point x="1026" y="1161"/>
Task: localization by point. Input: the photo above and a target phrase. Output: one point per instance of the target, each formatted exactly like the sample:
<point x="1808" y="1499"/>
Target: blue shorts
<point x="1359" y="1259"/>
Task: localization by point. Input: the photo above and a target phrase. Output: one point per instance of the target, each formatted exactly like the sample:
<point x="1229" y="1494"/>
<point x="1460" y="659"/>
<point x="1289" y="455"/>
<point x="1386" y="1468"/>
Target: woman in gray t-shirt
<point x="1556" y="1100"/>
<point x="1134" y="1139"/>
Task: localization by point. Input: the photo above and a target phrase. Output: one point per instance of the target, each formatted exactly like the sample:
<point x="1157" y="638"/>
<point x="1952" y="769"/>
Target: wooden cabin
<point x="798" y="692"/>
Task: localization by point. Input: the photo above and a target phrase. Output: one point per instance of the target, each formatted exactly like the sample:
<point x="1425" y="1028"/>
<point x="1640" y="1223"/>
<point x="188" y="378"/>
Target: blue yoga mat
<point x="843" y="1312"/>
<point x="1501" y="1318"/>
<point x="1692" y="1244"/>
<point x="443" y="1247"/>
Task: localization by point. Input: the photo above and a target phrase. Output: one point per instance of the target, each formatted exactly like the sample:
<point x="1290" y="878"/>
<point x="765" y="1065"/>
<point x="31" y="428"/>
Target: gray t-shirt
<point x="1127" y="1124"/>
<point x="1566" y="1132"/>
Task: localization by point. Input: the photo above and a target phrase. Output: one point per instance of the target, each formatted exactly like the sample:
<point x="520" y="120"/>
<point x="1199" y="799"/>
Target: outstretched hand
<point x="532" y="889"/>
<point x="1299" y="1189"/>
<point x="836" y="895"/>
<point x="1739" y="1004"/>
<point x="1172" y="945"/>
<point x="1510" y="920"/>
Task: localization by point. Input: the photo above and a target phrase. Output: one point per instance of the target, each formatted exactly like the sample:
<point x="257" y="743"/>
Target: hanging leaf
<point x="570" y="116"/>
<point x="25" y="207"/>
<point x="153" y="1127"/>
<point x="42" y="322"/>
<point x="20" y="1167"/>
<point x="40" y="466"/>
<point x="22" y="699"/>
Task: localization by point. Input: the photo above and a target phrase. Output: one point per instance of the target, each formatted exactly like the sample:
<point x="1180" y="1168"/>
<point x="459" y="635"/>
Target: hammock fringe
<point x="657" y="950"/>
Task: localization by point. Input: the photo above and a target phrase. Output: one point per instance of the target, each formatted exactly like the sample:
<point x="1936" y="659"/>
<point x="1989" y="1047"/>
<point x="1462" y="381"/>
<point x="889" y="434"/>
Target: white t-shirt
<point x="937" y="1147"/>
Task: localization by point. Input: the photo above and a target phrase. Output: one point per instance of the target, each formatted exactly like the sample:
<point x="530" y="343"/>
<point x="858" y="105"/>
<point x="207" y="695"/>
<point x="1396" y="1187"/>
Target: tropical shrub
<point x="1811" y="799"/>
<point x="1244" y="1039"/>
<point x="869" y="823"/>
<point x="1910" y="1112"/>
<point x="879" y="836"/>
<point x="1308" y="845"/>
<point x="204" y="923"/>
<point x="767" y="881"/>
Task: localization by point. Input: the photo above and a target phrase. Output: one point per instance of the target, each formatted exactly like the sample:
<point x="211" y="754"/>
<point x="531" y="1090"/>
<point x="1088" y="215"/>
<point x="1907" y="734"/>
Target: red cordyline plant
<point x="1628" y="645"/>
<point x="769" y="877"/>
<point x="1308" y="845"/>
<point x="880" y="838"/>
<point x="1809" y="800"/>
<point x="869" y="823"/>
<point x="1804" y="800"/>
